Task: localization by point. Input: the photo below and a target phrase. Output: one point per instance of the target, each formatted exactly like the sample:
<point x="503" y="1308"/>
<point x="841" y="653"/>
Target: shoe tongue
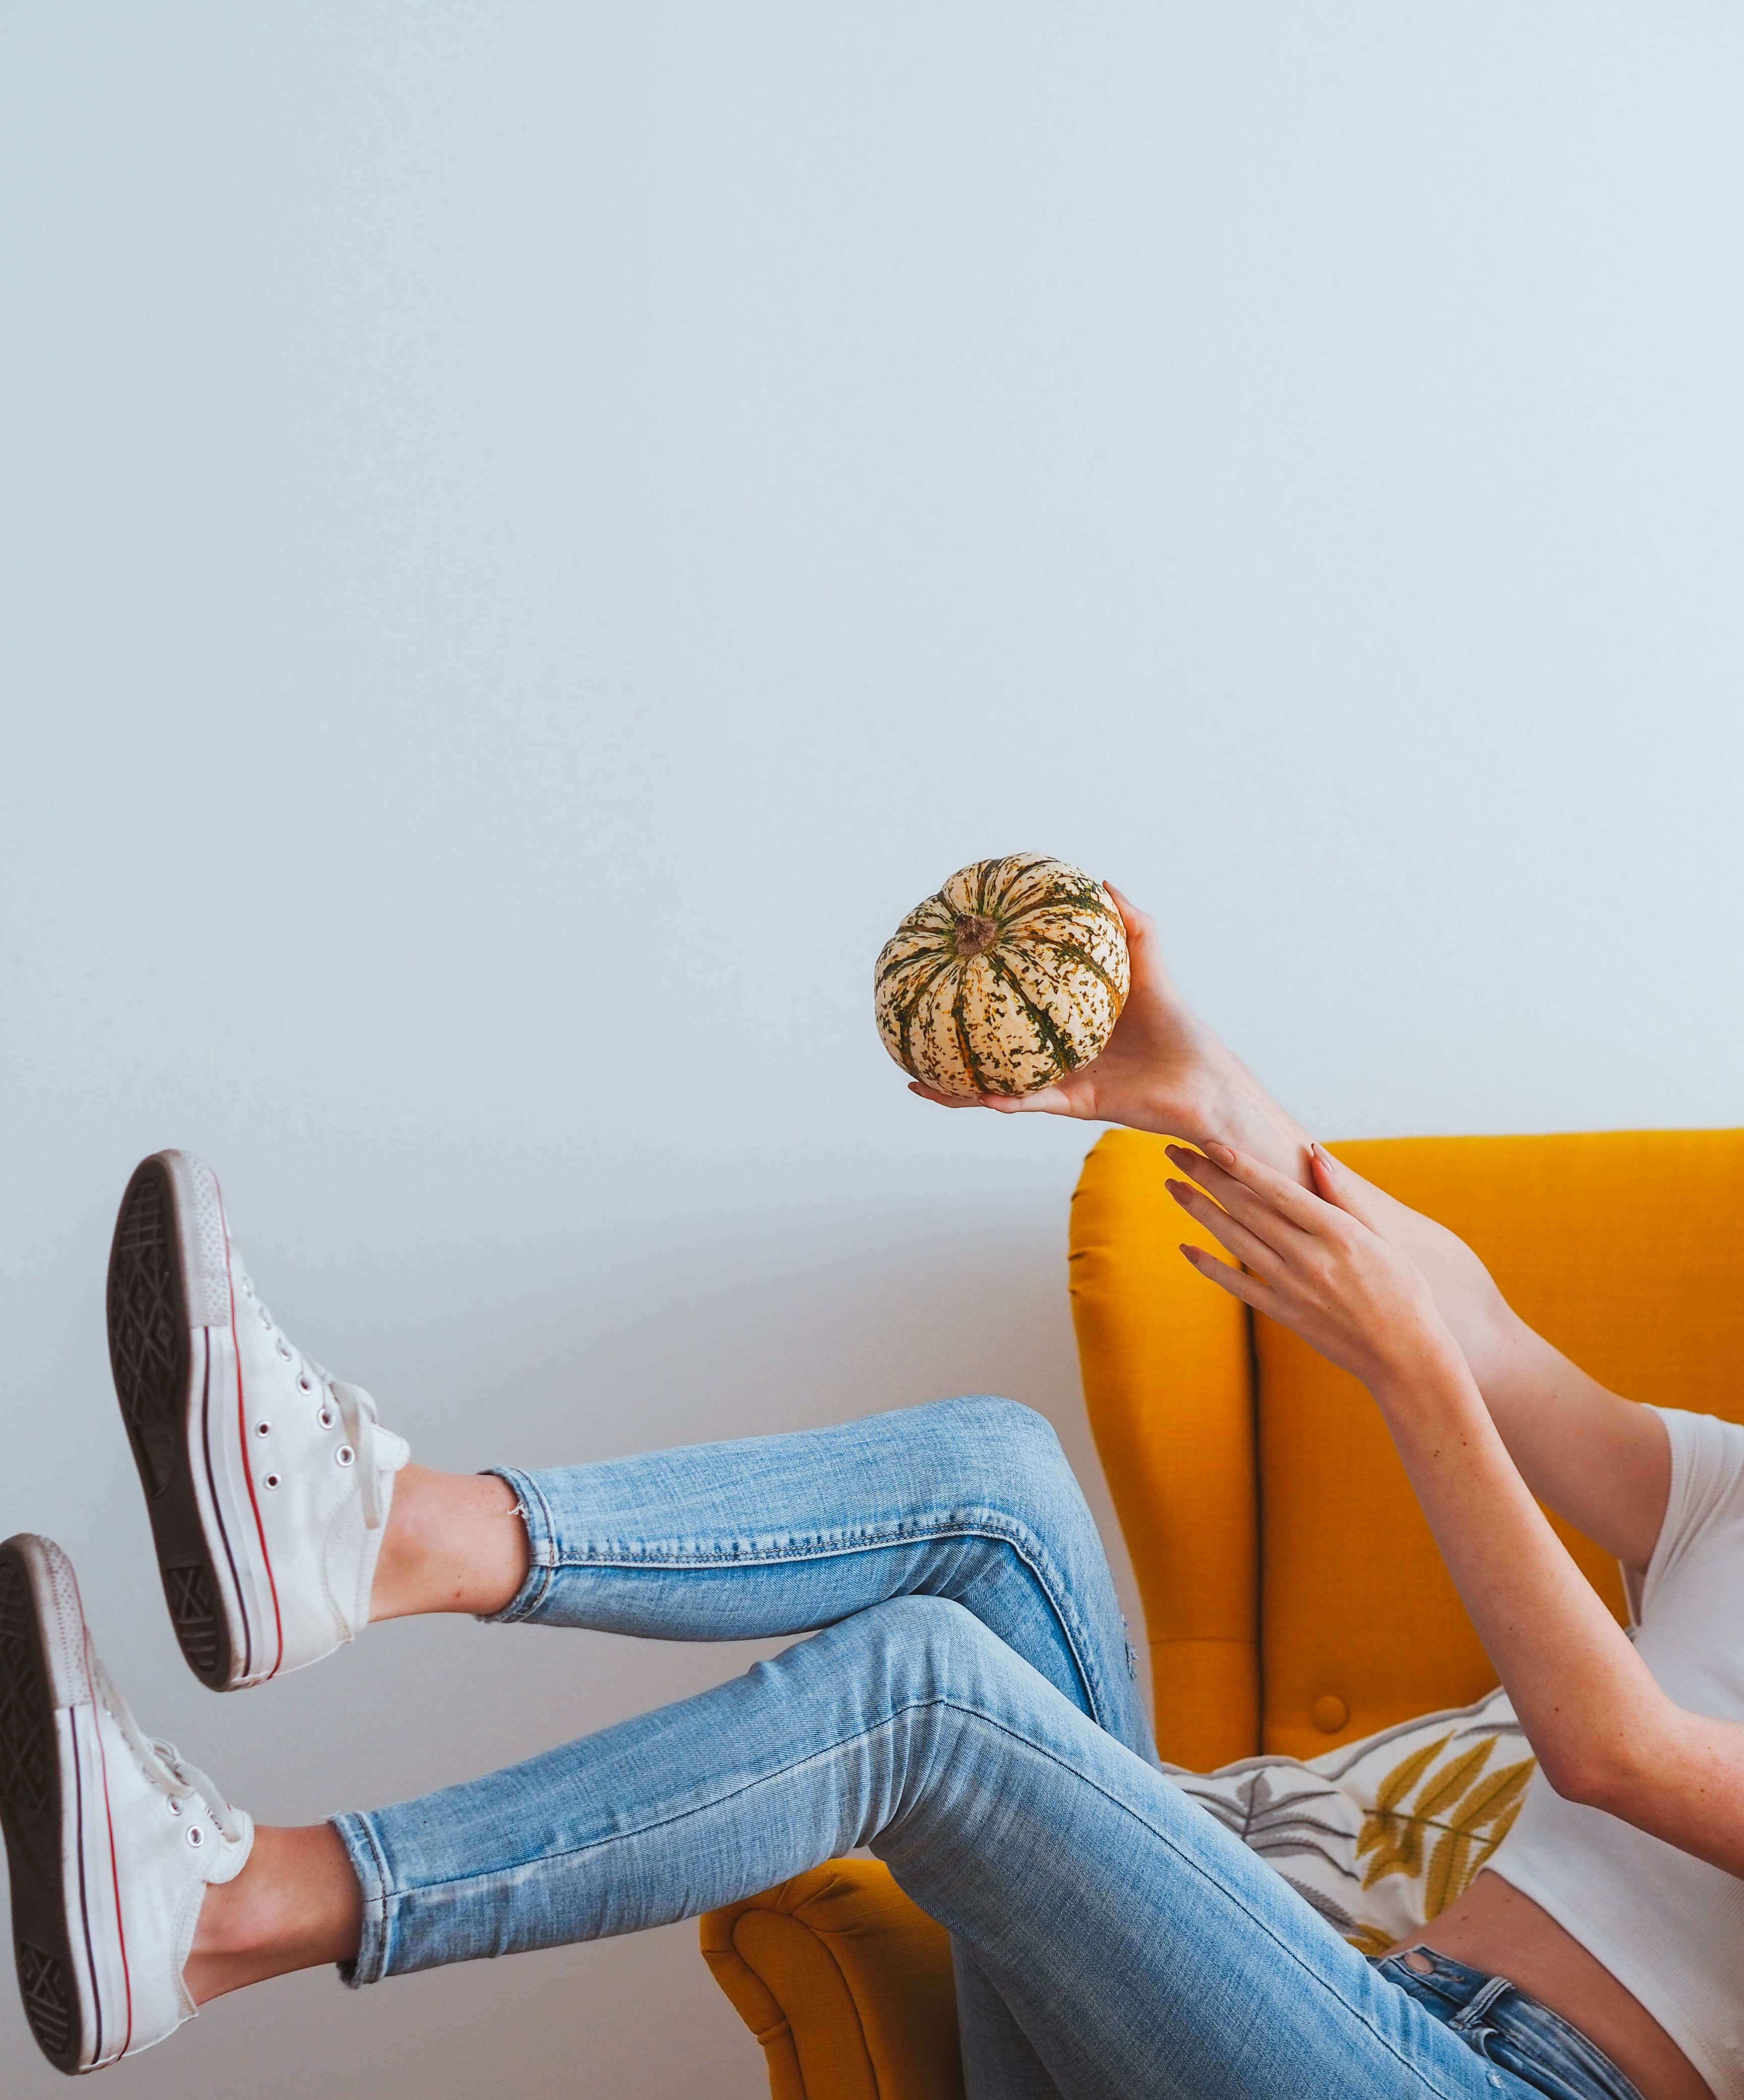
<point x="231" y="1858"/>
<point x="392" y="1452"/>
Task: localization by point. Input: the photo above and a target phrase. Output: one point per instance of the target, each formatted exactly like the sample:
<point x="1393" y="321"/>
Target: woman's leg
<point x="1141" y="1948"/>
<point x="998" y="2059"/>
<point x="971" y="1500"/>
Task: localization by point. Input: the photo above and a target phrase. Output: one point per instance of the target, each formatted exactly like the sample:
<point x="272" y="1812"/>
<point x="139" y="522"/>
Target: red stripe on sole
<point x="242" y="1440"/>
<point x="115" y="1878"/>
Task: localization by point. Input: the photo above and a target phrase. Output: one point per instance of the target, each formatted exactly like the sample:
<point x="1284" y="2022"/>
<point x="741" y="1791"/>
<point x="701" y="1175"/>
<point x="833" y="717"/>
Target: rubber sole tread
<point x="31" y="1812"/>
<point x="151" y="1355"/>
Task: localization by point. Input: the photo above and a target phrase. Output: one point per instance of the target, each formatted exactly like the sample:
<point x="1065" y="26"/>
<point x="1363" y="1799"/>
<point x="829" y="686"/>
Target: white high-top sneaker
<point x="268" y="1482"/>
<point x="111" y="1840"/>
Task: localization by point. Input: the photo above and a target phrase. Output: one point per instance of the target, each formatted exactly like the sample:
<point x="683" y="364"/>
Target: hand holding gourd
<point x="1006" y="981"/>
<point x="1155" y="1071"/>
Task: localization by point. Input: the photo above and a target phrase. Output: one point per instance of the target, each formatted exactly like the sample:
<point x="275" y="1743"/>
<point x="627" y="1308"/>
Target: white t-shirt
<point x="1670" y="1928"/>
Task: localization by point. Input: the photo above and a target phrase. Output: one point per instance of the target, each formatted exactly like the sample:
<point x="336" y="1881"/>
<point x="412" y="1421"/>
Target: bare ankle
<point x="295" y="1905"/>
<point x="455" y="1542"/>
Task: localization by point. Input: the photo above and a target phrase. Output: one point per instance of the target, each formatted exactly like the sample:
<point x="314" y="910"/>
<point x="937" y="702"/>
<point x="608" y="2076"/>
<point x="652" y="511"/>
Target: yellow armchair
<point x="1272" y="1531"/>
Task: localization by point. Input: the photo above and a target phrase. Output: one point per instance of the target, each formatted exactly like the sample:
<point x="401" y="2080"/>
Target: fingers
<point x="1048" y="1101"/>
<point x="1253" y="1211"/>
<point x="1139" y="925"/>
<point x="1299" y="1207"/>
<point x="1142" y="944"/>
<point x="1335" y="1181"/>
<point x="945" y="1100"/>
<point x="1251" y="1290"/>
<point x="1246" y="1247"/>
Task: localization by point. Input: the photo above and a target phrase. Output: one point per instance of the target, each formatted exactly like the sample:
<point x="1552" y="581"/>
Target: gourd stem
<point x="975" y="933"/>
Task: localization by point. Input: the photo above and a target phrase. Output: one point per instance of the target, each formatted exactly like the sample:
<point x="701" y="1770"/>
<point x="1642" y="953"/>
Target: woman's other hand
<point x="1317" y="1260"/>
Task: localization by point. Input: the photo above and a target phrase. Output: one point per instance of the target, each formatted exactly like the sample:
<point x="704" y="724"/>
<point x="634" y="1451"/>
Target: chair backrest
<point x="1293" y="1595"/>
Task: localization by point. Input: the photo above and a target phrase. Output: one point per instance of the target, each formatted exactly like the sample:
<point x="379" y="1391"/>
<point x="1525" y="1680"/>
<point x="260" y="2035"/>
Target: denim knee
<point x="1017" y="1464"/>
<point x="931" y="1644"/>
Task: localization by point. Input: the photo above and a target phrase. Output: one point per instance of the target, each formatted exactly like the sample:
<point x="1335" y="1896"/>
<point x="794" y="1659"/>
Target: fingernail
<point x="1222" y="1154"/>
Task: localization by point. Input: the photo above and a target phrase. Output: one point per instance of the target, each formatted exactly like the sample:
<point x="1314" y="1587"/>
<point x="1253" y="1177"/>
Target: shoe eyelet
<point x="345" y="1456"/>
<point x="263" y="1429"/>
<point x="285" y="1349"/>
<point x="196" y="1835"/>
<point x="325" y="1416"/>
<point x="271" y="1481"/>
<point x="175" y="1807"/>
<point x="303" y="1383"/>
<point x="265" y="1317"/>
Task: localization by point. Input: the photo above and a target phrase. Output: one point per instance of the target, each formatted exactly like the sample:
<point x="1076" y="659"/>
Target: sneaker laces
<point x="301" y="1363"/>
<point x="162" y="1763"/>
<point x="357" y="1410"/>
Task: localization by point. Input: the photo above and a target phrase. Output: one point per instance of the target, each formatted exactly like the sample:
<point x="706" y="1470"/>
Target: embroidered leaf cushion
<point x="1011" y="975"/>
<point x="1382" y="1835"/>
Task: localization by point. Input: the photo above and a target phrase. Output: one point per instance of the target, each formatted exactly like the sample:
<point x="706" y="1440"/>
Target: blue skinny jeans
<point x="967" y="1707"/>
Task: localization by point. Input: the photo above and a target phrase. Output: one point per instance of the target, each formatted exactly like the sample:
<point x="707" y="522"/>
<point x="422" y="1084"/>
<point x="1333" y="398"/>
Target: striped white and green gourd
<point x="1013" y="975"/>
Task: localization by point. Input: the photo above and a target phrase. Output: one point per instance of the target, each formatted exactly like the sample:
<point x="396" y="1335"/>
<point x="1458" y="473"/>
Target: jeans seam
<point x="542" y="1536"/>
<point x="380" y="1901"/>
<point x="1019" y="1538"/>
<point x="922" y="1705"/>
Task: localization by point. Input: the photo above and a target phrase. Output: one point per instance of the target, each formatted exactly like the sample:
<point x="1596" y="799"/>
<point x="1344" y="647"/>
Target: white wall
<point x="533" y="534"/>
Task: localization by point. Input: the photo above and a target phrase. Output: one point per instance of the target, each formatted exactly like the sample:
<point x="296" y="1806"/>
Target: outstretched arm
<point x="1602" y="1729"/>
<point x="1602" y="1462"/>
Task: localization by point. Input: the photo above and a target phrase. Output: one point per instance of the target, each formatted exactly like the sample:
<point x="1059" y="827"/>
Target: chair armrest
<point x="846" y="1983"/>
<point x="1168" y="1383"/>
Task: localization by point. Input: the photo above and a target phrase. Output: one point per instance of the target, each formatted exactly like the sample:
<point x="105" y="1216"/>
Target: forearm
<point x="1582" y="1695"/>
<point x="1491" y="1335"/>
<point x="1602" y="1462"/>
<point x="1605" y="1733"/>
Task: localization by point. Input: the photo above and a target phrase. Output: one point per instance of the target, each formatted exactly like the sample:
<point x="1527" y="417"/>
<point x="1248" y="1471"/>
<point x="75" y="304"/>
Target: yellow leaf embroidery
<point x="1466" y="1811"/>
<point x="1442" y="1788"/>
<point x="1484" y="1820"/>
<point x="1371" y="1939"/>
<point x="1404" y="1776"/>
<point x="1504" y="1824"/>
<point x="1388" y="1832"/>
<point x="1450" y="1869"/>
<point x="1500" y="1790"/>
<point x="1404" y="1858"/>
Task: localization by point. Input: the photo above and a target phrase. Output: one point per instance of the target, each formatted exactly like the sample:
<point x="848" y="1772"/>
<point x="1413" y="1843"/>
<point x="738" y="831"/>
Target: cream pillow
<point x="1380" y="1835"/>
